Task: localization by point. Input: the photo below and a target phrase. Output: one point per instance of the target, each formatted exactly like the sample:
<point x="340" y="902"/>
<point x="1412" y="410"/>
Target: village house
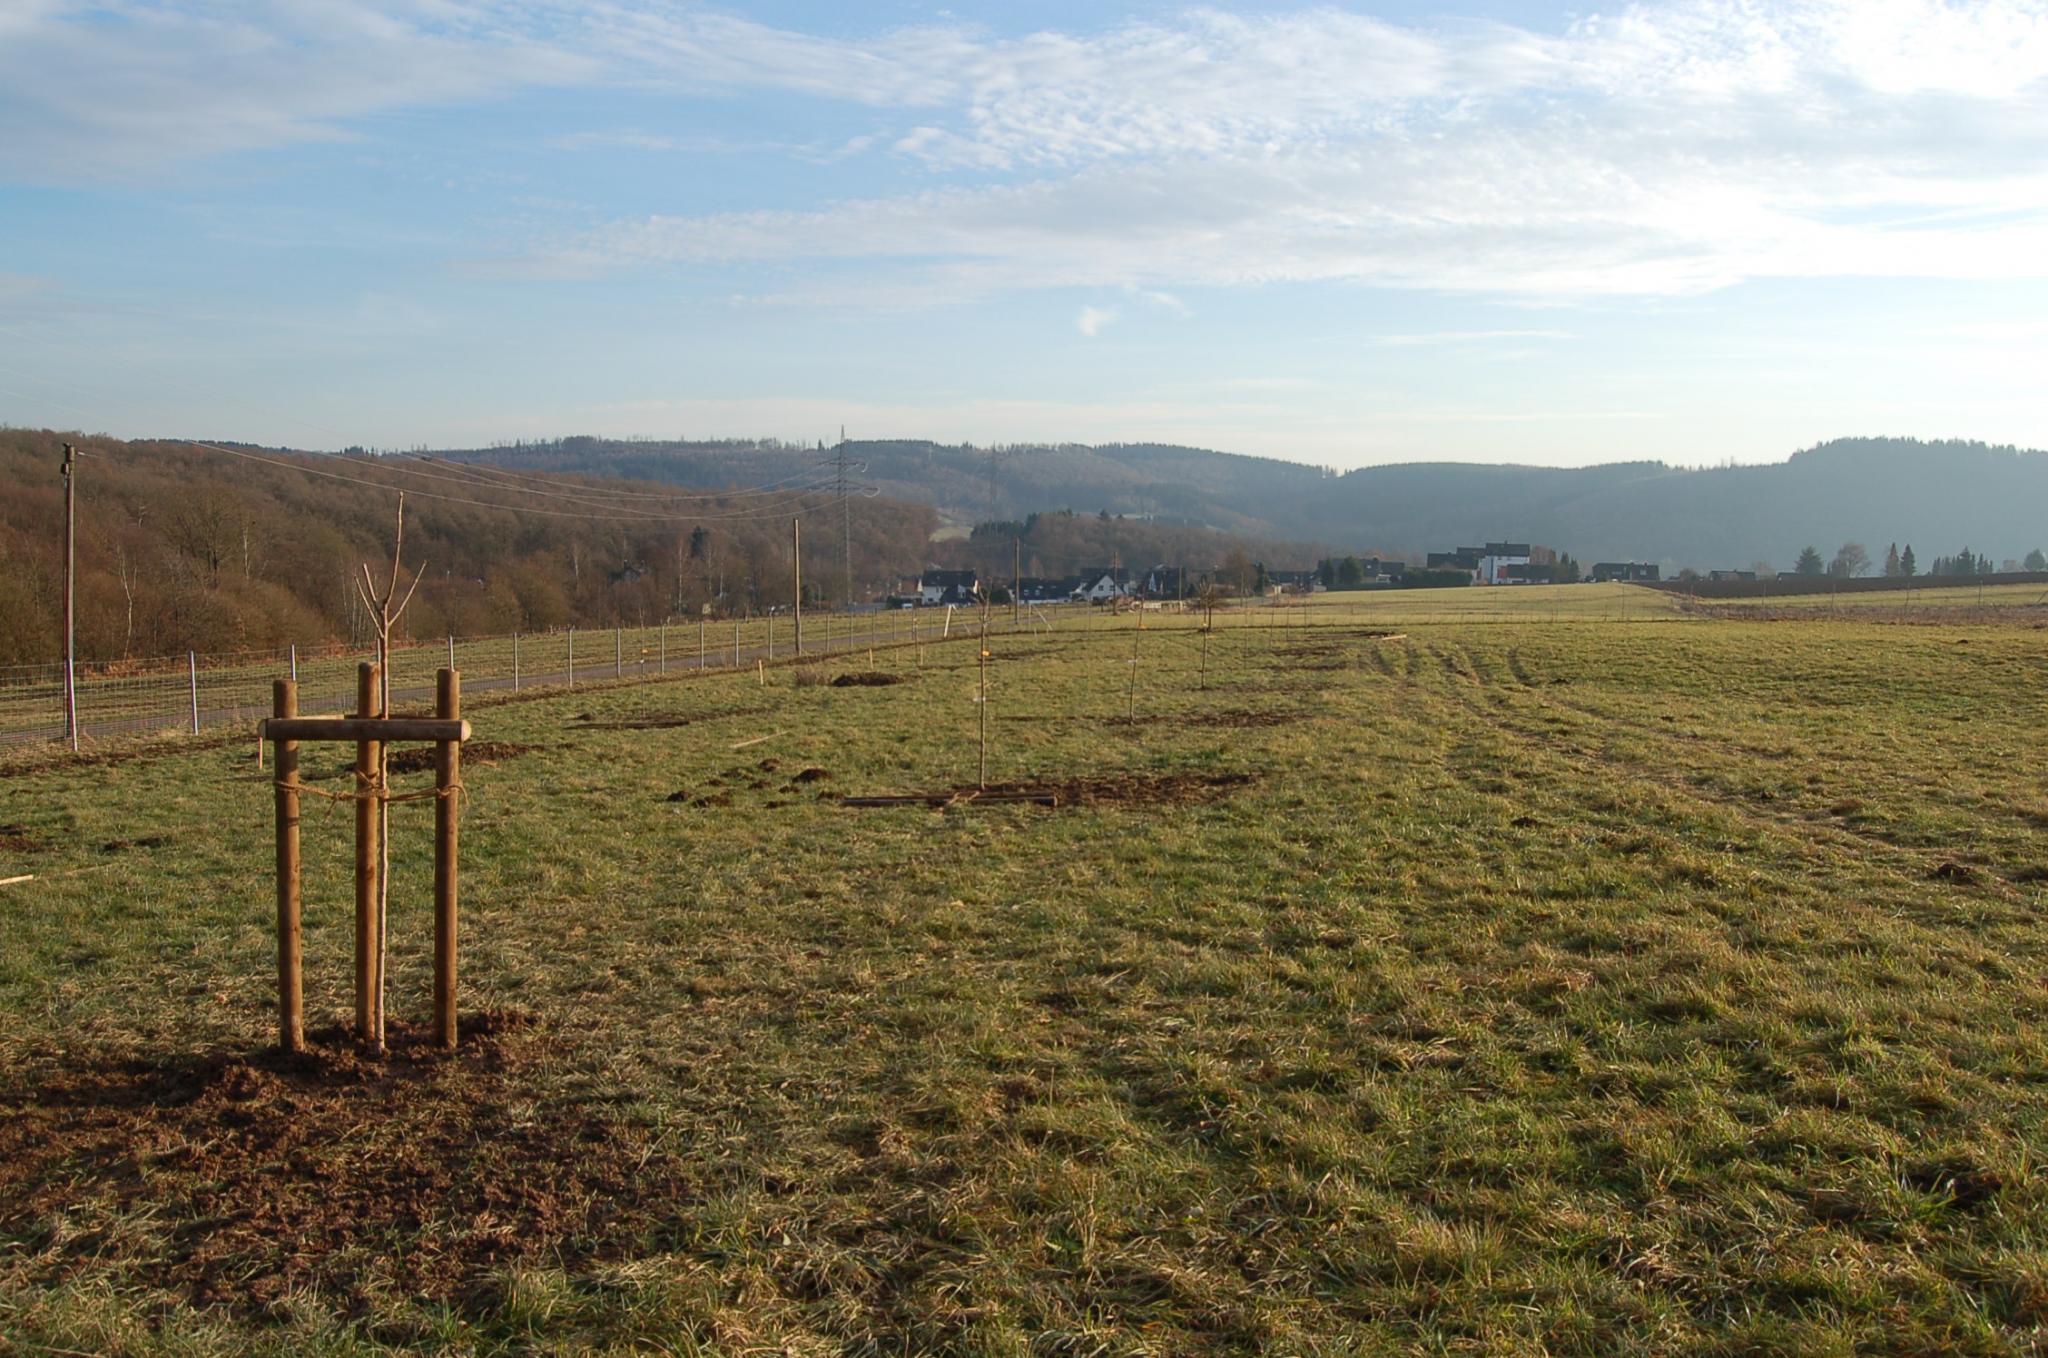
<point x="936" y="588"/>
<point x="1048" y="590"/>
<point x="1498" y="563"/>
<point x="1164" y="582"/>
<point x="1629" y="572"/>
<point x="1100" y="584"/>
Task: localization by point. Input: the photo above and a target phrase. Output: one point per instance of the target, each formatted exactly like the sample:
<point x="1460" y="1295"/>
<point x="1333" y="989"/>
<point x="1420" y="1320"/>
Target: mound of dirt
<point x="420" y="758"/>
<point x="1238" y="720"/>
<point x="1117" y="789"/>
<point x="868" y="679"/>
<point x="422" y="1173"/>
<point x="663" y="721"/>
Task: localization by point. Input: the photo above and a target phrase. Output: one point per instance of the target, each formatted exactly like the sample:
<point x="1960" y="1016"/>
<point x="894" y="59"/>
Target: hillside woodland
<point x="183" y="547"/>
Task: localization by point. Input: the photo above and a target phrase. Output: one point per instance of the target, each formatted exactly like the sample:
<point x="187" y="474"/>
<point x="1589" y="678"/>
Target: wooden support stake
<point x="447" y="820"/>
<point x="291" y="1001"/>
<point x="369" y="1019"/>
<point x="1131" y="696"/>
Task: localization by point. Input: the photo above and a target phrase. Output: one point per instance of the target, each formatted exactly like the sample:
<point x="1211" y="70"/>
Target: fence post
<point x="447" y="812"/>
<point x="369" y="1028"/>
<point x="771" y="636"/>
<point x="291" y="1006"/>
<point x="295" y="662"/>
<point x="451" y="650"/>
<point x="192" y="670"/>
<point x="572" y="657"/>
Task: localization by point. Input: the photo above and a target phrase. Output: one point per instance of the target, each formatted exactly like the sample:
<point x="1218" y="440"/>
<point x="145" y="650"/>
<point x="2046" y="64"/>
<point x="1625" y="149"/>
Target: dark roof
<point x="938" y="579"/>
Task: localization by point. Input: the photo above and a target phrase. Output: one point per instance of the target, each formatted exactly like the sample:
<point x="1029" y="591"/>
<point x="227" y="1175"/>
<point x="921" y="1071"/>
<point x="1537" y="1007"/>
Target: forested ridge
<point x="184" y="547"/>
<point x="1949" y="492"/>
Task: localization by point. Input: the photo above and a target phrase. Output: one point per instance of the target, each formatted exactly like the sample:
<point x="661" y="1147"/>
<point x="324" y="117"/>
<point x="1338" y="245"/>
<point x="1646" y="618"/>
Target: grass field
<point x="1934" y="597"/>
<point x="1531" y="982"/>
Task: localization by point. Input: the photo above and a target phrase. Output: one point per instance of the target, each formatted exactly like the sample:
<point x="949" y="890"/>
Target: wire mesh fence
<point x="195" y="691"/>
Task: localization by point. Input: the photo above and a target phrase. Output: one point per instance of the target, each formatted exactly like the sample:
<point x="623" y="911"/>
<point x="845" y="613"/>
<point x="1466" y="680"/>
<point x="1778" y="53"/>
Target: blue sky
<point x="1698" y="230"/>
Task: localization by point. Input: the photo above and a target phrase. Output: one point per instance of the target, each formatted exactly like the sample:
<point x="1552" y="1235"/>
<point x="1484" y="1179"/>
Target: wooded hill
<point x="183" y="547"/>
<point x="1941" y="496"/>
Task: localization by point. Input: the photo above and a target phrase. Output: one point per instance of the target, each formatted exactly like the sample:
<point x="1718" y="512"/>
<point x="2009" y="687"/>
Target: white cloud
<point x="1663" y="148"/>
<point x="1093" y="320"/>
<point x="1670" y="149"/>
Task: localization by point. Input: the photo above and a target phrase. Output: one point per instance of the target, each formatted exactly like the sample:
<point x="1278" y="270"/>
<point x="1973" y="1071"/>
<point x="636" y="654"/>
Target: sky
<point x="1695" y="230"/>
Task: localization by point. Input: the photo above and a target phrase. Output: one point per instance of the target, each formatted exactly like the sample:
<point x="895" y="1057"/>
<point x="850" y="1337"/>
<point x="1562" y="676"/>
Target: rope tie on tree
<point x="370" y="788"/>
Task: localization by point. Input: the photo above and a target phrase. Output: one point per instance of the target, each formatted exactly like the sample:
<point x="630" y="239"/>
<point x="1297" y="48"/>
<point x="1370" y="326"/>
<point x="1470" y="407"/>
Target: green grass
<point x="1936" y="593"/>
<point x="1559" y="986"/>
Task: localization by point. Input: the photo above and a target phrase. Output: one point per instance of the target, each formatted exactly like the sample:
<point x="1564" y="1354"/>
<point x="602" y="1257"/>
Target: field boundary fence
<point x="197" y="690"/>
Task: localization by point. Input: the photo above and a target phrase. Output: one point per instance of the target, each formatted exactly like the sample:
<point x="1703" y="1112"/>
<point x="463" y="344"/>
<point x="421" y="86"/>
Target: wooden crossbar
<point x="383" y="730"/>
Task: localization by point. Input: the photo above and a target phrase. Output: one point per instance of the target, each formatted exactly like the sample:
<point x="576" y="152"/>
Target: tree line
<point x="1852" y="559"/>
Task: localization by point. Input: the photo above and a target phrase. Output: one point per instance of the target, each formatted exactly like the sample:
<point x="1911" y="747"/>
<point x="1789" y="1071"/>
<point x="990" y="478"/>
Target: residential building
<point x="1628" y="572"/>
<point x="936" y="588"/>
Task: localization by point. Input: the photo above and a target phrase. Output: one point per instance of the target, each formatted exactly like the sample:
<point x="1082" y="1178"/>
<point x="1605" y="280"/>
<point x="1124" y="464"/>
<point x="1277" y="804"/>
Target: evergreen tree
<point x="1810" y="563"/>
<point x="1963" y="563"/>
<point x="1891" y="560"/>
<point x="1906" y="563"/>
<point x="2035" y="561"/>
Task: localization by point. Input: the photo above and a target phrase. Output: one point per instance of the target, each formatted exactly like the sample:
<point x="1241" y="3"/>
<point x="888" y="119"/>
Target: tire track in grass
<point x="1824" y="840"/>
<point x="1741" y="756"/>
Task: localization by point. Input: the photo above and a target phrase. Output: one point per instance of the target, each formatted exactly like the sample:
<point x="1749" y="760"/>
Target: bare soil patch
<point x="868" y="679"/>
<point x="19" y="839"/>
<point x="420" y="758"/>
<point x="1117" y="789"/>
<point x="267" y="1174"/>
<point x="1238" y="720"/>
<point x="662" y="721"/>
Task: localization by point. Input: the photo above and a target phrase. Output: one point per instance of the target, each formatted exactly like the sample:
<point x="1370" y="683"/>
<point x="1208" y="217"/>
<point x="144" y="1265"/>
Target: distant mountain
<point x="1940" y="496"/>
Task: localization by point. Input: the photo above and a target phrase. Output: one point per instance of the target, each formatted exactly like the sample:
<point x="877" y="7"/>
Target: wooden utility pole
<point x="291" y="1002"/>
<point x="447" y="817"/>
<point x="70" y="595"/>
<point x="796" y="577"/>
<point x="1016" y="582"/>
